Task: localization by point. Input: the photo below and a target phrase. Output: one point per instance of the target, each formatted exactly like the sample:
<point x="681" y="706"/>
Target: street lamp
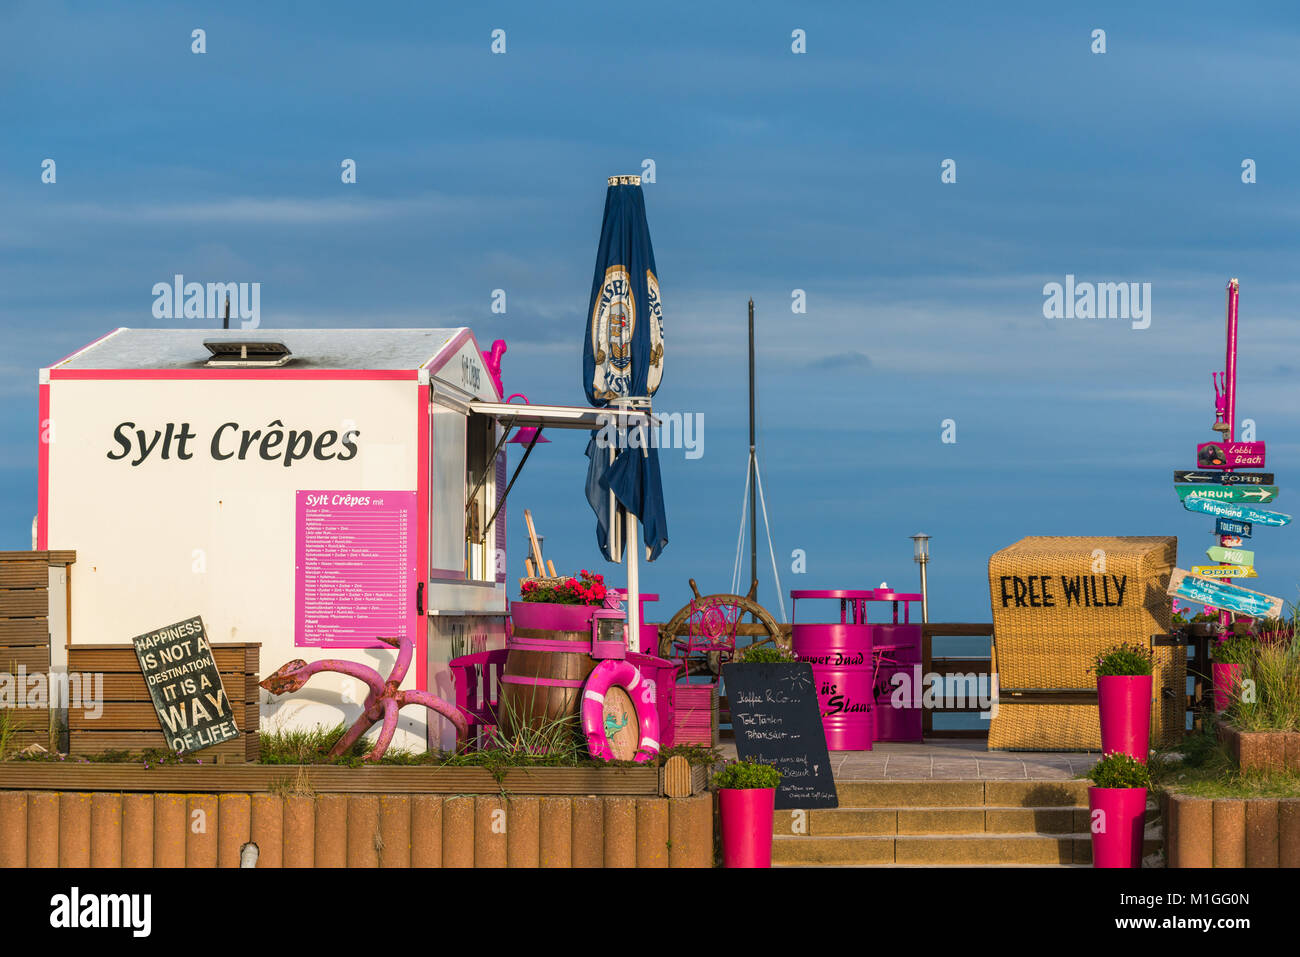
<point x="921" y="555"/>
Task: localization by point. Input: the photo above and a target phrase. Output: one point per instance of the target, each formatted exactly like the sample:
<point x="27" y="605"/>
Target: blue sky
<point x="774" y="172"/>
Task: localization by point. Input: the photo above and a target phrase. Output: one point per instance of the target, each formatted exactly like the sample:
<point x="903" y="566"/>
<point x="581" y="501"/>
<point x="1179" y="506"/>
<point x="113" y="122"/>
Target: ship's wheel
<point x="703" y="635"/>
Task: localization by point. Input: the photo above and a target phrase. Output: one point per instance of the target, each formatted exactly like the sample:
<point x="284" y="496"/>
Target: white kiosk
<point x="309" y="489"/>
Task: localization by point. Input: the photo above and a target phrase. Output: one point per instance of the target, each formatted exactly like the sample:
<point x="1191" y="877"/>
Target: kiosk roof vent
<point x="243" y="353"/>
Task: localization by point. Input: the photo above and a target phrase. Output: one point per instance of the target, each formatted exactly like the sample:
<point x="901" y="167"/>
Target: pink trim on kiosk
<point x="423" y="423"/>
<point x="43" y="472"/>
<point x="370" y="375"/>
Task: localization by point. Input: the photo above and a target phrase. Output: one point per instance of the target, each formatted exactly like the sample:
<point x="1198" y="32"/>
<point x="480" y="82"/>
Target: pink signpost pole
<point x="1230" y="401"/>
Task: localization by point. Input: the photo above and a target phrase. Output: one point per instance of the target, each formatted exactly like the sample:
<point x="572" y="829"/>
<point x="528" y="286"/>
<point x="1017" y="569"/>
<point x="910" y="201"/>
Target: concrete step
<point x="920" y="821"/>
<point x="960" y="850"/>
<point x="924" y="793"/>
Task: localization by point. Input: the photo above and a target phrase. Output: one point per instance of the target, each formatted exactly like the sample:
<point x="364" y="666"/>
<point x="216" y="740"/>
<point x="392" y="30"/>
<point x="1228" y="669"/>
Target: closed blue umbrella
<point x="622" y="365"/>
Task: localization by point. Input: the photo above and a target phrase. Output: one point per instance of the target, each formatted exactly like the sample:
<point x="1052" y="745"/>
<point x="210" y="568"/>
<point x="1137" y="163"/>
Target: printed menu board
<point x="356" y="568"/>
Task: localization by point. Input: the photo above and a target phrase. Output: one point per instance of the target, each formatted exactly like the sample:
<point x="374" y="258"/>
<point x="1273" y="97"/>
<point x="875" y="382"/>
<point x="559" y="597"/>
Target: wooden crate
<point x="695" y="720"/>
<point x="128" y="721"/>
<point x="25" y="636"/>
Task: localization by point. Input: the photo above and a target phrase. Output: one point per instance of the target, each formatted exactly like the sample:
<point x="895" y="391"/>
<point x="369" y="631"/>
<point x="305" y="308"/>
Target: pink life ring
<point x="623" y="674"/>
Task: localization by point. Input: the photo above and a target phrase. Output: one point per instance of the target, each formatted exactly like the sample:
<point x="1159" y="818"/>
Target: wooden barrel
<point x="543" y="677"/>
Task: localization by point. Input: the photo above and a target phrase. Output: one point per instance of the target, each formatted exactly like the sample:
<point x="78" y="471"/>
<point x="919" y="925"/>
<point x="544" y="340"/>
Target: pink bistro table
<point x="854" y="662"/>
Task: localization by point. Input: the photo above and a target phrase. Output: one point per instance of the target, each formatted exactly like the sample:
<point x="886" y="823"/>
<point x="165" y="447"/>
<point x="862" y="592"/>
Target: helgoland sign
<point x="1243" y="513"/>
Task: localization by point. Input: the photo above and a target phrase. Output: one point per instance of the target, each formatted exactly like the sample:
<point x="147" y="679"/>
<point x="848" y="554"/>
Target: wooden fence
<point x="25" y="641"/>
<point x="952" y="665"/>
<point x="127" y="720"/>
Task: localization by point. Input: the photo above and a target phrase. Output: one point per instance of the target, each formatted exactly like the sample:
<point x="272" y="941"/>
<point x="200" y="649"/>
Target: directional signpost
<point x="1229" y="493"/>
<point x="1224" y="571"/>
<point x="1256" y="516"/>
<point x="1216" y="487"/>
<point x="1226" y="526"/>
<point x="1236" y="556"/>
<point x="1223" y="478"/>
<point x="1203" y="591"/>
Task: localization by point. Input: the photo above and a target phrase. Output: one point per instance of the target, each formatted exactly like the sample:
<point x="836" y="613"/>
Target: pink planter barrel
<point x="1124" y="703"/>
<point x="747" y="826"/>
<point x="1118" y="819"/>
<point x="548" y="616"/>
<point x="1227" y="684"/>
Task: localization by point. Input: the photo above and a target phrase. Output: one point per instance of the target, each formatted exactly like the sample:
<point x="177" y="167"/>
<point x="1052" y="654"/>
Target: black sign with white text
<point x="776" y="721"/>
<point x="181" y="674"/>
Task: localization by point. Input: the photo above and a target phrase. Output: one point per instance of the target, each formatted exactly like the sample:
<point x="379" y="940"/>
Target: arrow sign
<point x="1227" y="597"/>
<point x="1245" y="513"/>
<point x="1224" y="571"/>
<point x="1236" y="556"/>
<point x="1229" y="493"/>
<point x="1230" y="455"/>
<point x="1224" y="478"/>
<point x="1226" y="526"/>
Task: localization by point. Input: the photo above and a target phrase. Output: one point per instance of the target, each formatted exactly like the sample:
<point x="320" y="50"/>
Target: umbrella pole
<point x="633" y="585"/>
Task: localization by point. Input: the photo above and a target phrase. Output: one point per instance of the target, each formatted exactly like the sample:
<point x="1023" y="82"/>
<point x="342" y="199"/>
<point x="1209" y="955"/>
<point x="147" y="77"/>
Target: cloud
<point x="262" y="210"/>
<point x="843" y="361"/>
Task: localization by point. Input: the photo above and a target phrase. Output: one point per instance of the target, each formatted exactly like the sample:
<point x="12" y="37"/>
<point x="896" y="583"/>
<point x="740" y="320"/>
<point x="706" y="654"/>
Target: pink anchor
<point x="383" y="702"/>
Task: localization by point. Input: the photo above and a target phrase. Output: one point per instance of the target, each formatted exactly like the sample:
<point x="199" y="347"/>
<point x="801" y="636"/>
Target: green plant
<point x="693" y="753"/>
<point x="767" y="654"/>
<point x="1233" y="649"/>
<point x="1124" y="659"/>
<point x="1202" y="766"/>
<point x="746" y="775"/>
<point x="1270" y="695"/>
<point x="1120" y="770"/>
<point x="8" y="731"/>
<point x="532" y="735"/>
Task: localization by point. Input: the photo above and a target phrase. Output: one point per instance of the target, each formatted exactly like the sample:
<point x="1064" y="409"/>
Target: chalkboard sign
<point x="776" y="721"/>
<point x="181" y="674"/>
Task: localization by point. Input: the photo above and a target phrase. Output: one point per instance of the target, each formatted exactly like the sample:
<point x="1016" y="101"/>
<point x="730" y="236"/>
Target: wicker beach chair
<point x="1059" y="602"/>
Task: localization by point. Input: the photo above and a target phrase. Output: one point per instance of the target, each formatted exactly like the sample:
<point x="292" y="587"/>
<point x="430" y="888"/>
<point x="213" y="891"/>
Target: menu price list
<point x="356" y="567"/>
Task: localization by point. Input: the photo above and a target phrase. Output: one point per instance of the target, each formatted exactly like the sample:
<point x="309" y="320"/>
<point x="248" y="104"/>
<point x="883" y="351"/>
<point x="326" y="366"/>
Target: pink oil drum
<point x="840" y="655"/>
<point x="899" y="649"/>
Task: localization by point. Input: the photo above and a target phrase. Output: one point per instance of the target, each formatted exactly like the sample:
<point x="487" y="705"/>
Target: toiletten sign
<point x="185" y="687"/>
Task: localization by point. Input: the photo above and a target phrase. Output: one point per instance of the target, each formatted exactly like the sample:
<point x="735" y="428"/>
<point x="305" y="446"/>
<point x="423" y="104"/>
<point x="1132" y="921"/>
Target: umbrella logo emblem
<point x="613" y="322"/>
<point x="656" y="370"/>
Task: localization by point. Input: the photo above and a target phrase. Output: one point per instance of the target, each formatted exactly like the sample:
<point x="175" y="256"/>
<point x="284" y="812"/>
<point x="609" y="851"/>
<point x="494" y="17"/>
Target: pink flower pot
<point x="1117" y="819"/>
<point x="747" y="826"/>
<point x="1124" y="703"/>
<point x="1227" y="684"/>
<point x="549" y="616"/>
